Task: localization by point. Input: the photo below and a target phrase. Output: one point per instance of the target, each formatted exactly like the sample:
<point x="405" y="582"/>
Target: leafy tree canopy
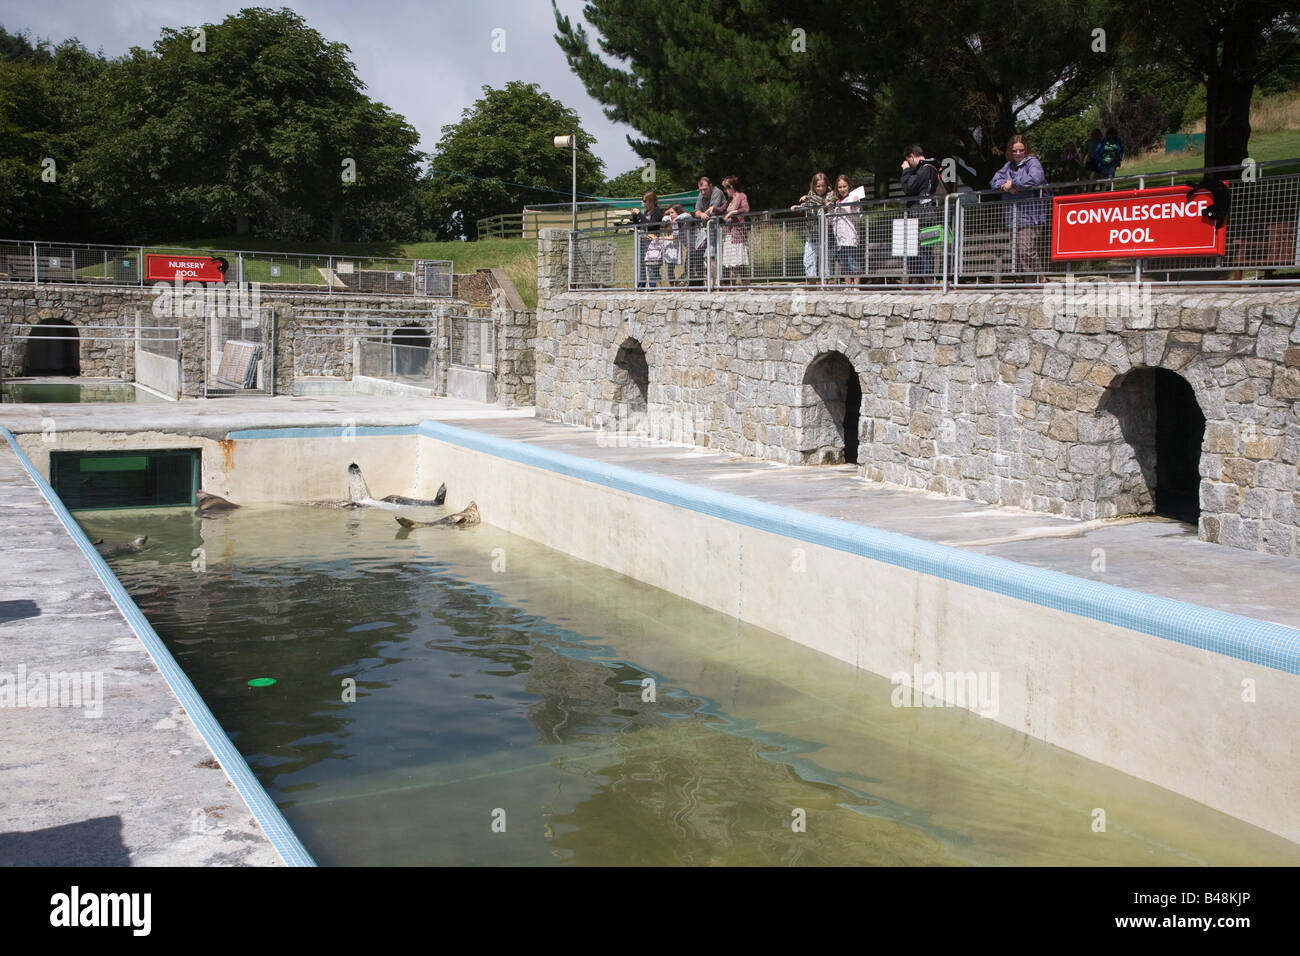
<point x="501" y="156"/>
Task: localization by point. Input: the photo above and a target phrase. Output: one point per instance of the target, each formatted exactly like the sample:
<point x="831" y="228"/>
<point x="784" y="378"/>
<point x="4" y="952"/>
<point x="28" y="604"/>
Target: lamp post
<point x="571" y="142"/>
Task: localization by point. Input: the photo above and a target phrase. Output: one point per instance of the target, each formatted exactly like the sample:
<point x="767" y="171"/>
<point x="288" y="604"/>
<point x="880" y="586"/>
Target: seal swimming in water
<point x="212" y="504"/>
<point x="359" y="495"/>
<point x="112" y="550"/>
<point x="461" y="519"/>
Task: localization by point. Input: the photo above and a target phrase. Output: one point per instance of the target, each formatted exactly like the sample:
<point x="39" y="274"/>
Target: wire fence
<point x="473" y="341"/>
<point x="970" y="237"/>
<point x="65" y="263"/>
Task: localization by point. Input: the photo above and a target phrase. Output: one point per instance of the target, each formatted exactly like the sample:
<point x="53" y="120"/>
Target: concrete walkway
<point x="124" y="779"/>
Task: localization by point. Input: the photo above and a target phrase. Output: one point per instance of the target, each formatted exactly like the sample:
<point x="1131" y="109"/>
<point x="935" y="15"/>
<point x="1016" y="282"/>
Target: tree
<point x="45" y="122"/>
<point x="775" y="89"/>
<point x="501" y="155"/>
<point x="258" y="120"/>
<point x="1230" y="46"/>
<point x="634" y="183"/>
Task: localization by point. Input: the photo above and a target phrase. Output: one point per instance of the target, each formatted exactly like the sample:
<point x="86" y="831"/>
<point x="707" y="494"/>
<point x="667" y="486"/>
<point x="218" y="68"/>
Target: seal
<point x="212" y="504"/>
<point x="359" y="494"/>
<point x="112" y="550"/>
<point x="461" y="519"/>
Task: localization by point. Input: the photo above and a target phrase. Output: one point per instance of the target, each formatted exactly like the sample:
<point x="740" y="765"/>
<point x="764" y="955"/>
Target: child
<point x="844" y="227"/>
<point x="812" y="202"/>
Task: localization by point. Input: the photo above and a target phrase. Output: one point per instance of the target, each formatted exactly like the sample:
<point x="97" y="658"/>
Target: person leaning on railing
<point x="711" y="202"/>
<point x="1022" y="180"/>
<point x="735" y="245"/>
<point x="646" y="218"/>
<point x="812" y="203"/>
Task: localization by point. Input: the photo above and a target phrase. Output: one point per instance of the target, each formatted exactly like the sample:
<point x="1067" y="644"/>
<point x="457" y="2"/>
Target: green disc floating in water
<point x="261" y="682"/>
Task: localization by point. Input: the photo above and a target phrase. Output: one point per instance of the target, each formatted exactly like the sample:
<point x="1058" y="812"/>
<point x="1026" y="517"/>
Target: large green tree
<point x="1231" y="46"/>
<point x="257" y="122"/>
<point x="45" y="121"/>
<point x="773" y="89"/>
<point x="501" y="156"/>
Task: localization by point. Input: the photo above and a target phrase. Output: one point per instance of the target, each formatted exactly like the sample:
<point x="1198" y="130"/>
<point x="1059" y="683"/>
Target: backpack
<point x="1109" y="154"/>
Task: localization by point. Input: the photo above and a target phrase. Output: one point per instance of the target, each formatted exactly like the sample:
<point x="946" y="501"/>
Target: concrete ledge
<point x="471" y="383"/>
<point x="1153" y="687"/>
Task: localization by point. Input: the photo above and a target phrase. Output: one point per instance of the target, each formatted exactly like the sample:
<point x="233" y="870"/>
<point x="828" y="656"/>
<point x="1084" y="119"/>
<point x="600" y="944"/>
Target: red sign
<point x="158" y="268"/>
<point x="1133" y="223"/>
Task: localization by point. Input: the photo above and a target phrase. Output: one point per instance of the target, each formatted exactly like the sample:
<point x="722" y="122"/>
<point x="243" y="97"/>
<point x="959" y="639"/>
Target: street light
<point x="571" y="142"/>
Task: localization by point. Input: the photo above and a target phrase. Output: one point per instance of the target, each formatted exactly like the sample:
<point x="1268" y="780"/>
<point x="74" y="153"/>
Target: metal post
<point x="823" y="235"/>
<point x="574" y="197"/>
<point x="139" y="266"/>
<point x="329" y="276"/>
<point x="943" y="243"/>
<point x="573" y="247"/>
<point x="36" y="265"/>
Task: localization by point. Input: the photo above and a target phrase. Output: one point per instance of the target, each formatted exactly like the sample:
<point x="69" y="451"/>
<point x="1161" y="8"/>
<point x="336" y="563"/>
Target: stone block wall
<point x="1001" y="397"/>
<point x="298" y="350"/>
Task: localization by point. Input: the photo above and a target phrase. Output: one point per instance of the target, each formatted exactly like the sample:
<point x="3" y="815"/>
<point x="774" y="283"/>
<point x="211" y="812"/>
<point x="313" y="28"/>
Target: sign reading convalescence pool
<point x="160" y="268"/>
<point x="1133" y="223"/>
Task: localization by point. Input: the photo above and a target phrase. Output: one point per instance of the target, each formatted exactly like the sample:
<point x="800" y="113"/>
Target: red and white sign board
<point x="1133" y="223"/>
<point x="159" y="268"/>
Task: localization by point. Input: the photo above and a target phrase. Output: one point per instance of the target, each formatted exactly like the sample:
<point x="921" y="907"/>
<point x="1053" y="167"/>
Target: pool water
<point x="67" y="392"/>
<point x="501" y="715"/>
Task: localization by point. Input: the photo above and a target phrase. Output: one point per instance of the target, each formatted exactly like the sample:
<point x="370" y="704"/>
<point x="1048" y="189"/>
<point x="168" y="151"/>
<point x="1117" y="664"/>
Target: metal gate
<point x="437" y="277"/>
<point x="240" y="354"/>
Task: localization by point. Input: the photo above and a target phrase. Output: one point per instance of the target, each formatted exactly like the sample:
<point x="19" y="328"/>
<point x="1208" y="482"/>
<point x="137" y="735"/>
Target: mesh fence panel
<point x="473" y="342"/>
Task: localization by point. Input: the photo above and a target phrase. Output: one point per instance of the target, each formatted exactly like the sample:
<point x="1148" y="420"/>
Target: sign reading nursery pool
<point x="160" y="268"/>
<point x="1133" y="223"/>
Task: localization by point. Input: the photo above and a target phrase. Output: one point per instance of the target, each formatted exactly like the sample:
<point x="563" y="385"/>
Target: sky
<point x="425" y="59"/>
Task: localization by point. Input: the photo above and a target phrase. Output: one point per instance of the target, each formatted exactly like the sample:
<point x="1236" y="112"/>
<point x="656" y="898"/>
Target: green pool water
<point x="65" y="393"/>
<point x="502" y="715"/>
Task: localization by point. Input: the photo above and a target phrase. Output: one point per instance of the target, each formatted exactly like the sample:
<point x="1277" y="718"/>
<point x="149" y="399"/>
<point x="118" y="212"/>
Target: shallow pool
<point x="503" y="715"/>
<point x="71" y="392"/>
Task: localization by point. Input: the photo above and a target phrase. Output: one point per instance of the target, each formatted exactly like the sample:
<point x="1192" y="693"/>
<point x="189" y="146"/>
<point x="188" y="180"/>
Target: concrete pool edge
<point x="265" y="812"/>
<point x="1245" y="638"/>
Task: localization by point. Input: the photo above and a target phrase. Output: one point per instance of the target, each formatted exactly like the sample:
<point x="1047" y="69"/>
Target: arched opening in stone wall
<point x="1163" y="423"/>
<point x="54" y="349"/>
<point x="831" y="411"/>
<point x="408" y="360"/>
<point x="631" y="376"/>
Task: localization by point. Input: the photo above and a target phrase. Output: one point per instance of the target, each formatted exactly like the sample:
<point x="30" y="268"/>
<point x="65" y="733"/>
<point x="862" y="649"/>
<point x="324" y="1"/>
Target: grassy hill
<point x="1274" y="134"/>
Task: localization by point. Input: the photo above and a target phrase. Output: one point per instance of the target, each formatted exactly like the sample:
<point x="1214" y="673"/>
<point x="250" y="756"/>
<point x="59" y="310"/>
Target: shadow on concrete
<point x="96" y="842"/>
<point x="17" y="610"/>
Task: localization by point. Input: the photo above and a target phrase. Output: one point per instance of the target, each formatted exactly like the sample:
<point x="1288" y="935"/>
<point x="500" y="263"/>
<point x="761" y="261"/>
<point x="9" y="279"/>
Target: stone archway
<point x="54" y="349"/>
<point x="631" y="377"/>
<point x="1163" y="427"/>
<point x="830" y="412"/>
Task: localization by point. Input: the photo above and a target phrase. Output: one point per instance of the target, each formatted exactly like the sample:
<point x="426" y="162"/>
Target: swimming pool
<point x="501" y="715"/>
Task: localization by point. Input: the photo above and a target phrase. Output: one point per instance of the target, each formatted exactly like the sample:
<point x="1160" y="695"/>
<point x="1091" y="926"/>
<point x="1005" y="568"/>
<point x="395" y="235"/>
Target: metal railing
<point x="473" y="341"/>
<point x="968" y="238"/>
<point x="77" y="263"/>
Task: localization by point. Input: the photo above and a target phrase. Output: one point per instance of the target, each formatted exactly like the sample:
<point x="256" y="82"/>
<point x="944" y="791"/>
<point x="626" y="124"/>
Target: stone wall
<point x="299" y="350"/>
<point x="515" y="378"/>
<point x="999" y="397"/>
